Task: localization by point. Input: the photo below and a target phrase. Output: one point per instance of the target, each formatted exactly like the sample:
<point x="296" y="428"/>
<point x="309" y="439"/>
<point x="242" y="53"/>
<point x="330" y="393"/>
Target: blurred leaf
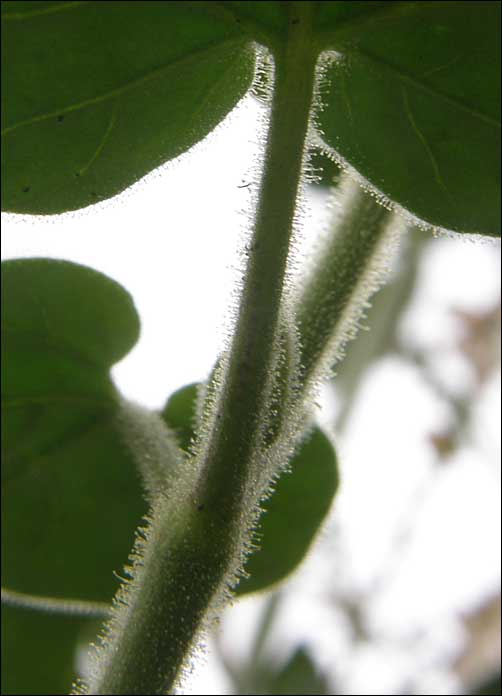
<point x="298" y="676"/>
<point x="180" y="412"/>
<point x="414" y="105"/>
<point x="50" y="639"/>
<point x="293" y="513"/>
<point x="71" y="495"/>
<point x="97" y="94"/>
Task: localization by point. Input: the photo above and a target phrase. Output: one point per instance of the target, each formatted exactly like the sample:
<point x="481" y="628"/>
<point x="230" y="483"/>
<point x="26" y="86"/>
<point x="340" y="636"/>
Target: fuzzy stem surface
<point x="194" y="541"/>
<point x="344" y="275"/>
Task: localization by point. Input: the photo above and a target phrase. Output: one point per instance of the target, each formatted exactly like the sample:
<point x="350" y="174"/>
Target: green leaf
<point x="180" y="414"/>
<point x="413" y="103"/>
<point x="295" y="510"/>
<point x="71" y="495"/>
<point x="97" y="94"/>
<point x="293" y="514"/>
<point x="38" y="651"/>
<point x="266" y="21"/>
<point x="347" y="15"/>
<point x="298" y="676"/>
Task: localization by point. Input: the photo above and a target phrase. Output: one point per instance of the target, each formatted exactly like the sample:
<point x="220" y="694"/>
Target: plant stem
<point x="383" y="320"/>
<point x="346" y="272"/>
<point x="240" y="417"/>
<point x="196" y="539"/>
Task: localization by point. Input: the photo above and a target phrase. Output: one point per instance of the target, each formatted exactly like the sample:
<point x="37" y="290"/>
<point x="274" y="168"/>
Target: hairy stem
<point x="347" y="271"/>
<point x="383" y="321"/>
<point x="194" y="543"/>
<point x="245" y="395"/>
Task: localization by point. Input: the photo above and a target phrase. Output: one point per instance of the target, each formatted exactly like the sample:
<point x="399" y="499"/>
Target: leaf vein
<point x="433" y="91"/>
<point x="197" y="54"/>
<point x="345" y="28"/>
<point x="423" y="140"/>
<point x="228" y="12"/>
<point x="101" y="146"/>
<point x="52" y="9"/>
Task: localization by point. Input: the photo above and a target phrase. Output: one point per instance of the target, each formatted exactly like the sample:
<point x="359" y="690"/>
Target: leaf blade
<point x="414" y="106"/>
<point x="52" y="639"/>
<point x="71" y="494"/>
<point x="96" y="97"/>
<point x="293" y="514"/>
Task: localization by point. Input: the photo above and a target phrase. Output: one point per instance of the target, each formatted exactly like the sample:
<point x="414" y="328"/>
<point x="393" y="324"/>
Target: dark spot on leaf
<point x="200" y="508"/>
<point x="27" y="189"/>
<point x="94" y="194"/>
<point x="60" y="119"/>
<point x="295" y="21"/>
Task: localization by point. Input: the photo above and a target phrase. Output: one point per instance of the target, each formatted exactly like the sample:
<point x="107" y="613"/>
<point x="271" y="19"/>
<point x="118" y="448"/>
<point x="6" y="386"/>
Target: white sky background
<point x="171" y="241"/>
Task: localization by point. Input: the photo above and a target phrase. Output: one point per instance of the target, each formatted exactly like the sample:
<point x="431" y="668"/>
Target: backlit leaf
<point x="413" y="104"/>
<point x="293" y="514"/>
<point x="38" y="651"/>
<point x="97" y="94"/>
<point x="298" y="676"/>
<point x="71" y="493"/>
<point x="71" y="497"/>
<point x="179" y="413"/>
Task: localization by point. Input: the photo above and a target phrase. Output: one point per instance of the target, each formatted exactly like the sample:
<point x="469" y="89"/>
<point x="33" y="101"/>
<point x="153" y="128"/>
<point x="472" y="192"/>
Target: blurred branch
<point x="259" y="675"/>
<point x="382" y="320"/>
<point x="480" y="346"/>
<point x="482" y="654"/>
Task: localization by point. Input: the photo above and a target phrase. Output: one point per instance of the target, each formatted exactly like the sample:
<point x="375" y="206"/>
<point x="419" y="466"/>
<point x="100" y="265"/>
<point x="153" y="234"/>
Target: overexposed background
<point x="411" y="552"/>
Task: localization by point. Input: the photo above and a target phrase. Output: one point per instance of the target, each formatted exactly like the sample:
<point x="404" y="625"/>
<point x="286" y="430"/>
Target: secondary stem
<point x="196" y="537"/>
<point x="347" y="271"/>
<point x="383" y="321"/>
